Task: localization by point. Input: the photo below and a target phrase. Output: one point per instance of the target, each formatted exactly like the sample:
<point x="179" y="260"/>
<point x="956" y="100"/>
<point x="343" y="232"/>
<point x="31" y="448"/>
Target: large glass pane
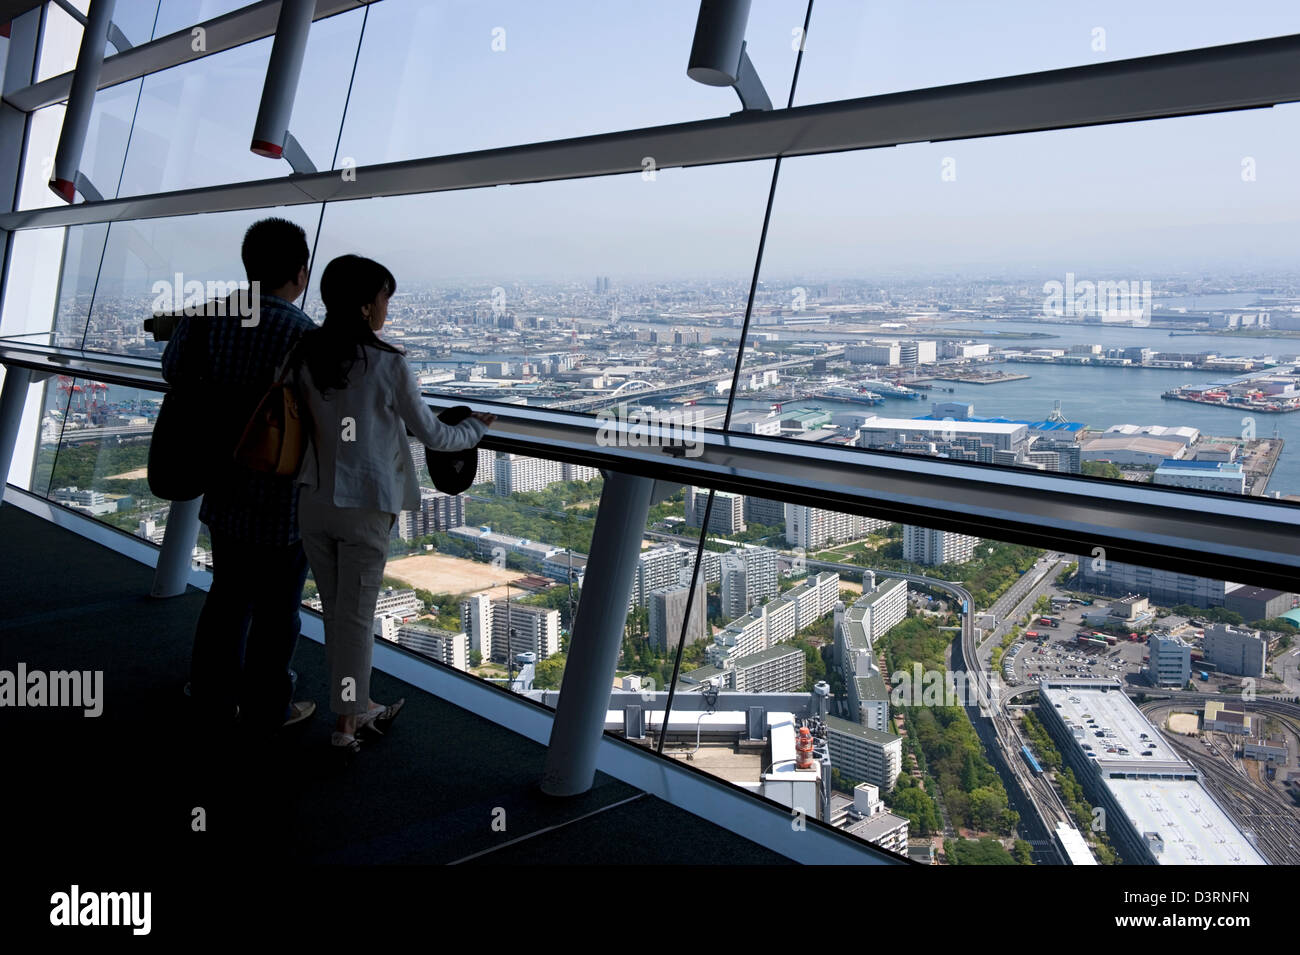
<point x="107" y="136"/>
<point x="60" y="40"/>
<point x="100" y="467"/>
<point x="864" y="49"/>
<point x="195" y="121"/>
<point x="176" y="15"/>
<point x="923" y="662"/>
<point x="1117" y="301"/>
<point x="569" y="294"/>
<point x="165" y="263"/>
<point x="454" y="77"/>
<point x="135" y="18"/>
<point x="488" y="581"/>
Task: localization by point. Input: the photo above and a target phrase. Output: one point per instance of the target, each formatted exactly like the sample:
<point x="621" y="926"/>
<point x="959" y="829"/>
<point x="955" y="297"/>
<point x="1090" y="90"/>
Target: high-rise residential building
<point x="443" y="646"/>
<point x="578" y="472"/>
<point x="727" y="516"/>
<point x="667" y="607"/>
<point x="865" y="754"/>
<point x="517" y="472"/>
<point x="814" y="598"/>
<point x="657" y="567"/>
<point x="761" y="510"/>
<point x="437" y="512"/>
<point x="813" y="527"/>
<point x="536" y="630"/>
<point x="925" y="545"/>
<point x="747" y="574"/>
<point x="778" y="669"/>
<point x="476" y="621"/>
<point x="486" y="469"/>
<point x="856" y="630"/>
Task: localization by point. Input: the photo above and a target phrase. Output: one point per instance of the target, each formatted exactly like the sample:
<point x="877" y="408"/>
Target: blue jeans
<point x="247" y="632"/>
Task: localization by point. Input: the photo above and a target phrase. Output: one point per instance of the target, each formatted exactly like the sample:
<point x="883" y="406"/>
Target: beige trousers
<point x="347" y="548"/>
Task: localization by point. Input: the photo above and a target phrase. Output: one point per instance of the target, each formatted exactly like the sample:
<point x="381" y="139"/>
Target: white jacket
<point x="358" y="442"/>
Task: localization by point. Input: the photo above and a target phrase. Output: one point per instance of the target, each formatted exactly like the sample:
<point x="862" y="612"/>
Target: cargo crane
<point x="74" y="396"/>
<point x="98" y="406"/>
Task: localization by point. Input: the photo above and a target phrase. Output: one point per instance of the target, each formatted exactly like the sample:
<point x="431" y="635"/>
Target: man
<point x="250" y="621"/>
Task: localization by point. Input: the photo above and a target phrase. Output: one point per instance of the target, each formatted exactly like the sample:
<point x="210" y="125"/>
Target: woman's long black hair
<point x="330" y="351"/>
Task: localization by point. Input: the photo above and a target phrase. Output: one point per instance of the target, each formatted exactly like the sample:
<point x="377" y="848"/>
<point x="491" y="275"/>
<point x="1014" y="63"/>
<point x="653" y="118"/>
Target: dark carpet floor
<point x="131" y="783"/>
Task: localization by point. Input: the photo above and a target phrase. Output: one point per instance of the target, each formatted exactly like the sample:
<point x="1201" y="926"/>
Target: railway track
<point x="1259" y="809"/>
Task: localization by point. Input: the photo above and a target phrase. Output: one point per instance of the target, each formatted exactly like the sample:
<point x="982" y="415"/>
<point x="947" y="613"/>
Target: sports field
<point x="440" y="573"/>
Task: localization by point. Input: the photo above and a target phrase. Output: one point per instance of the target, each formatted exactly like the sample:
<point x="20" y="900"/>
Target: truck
<point x="1205" y="677"/>
<point x="1053" y="622"/>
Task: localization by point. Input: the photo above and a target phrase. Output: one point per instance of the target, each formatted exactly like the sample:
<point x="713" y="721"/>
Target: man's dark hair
<point x="274" y="250"/>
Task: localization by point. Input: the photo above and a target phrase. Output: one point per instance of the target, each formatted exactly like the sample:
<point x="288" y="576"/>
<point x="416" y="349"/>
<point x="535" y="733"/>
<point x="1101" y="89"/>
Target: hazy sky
<point x="1129" y="199"/>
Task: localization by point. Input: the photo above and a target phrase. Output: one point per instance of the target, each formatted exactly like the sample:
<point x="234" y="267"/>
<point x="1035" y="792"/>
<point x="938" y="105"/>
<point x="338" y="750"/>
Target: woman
<point x="357" y="473"/>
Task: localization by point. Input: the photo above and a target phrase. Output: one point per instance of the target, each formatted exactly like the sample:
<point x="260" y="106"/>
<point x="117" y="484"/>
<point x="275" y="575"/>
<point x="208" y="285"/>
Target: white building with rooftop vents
<point x="1158" y="812"/>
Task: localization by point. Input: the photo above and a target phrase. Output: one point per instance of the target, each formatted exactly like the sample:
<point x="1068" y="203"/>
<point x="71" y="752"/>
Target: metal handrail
<point x="1247" y="540"/>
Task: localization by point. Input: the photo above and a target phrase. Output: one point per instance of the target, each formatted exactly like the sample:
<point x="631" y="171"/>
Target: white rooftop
<point x="877" y="422"/>
<point x="1191" y="827"/>
<point x="1076" y="847"/>
<point x="1161" y="794"/>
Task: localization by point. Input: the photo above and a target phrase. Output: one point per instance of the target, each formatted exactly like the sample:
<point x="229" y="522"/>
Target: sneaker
<point x="300" y="711"/>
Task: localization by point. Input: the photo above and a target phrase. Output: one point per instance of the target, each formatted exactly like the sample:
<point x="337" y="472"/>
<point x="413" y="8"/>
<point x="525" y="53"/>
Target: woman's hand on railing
<point x="483" y="416"/>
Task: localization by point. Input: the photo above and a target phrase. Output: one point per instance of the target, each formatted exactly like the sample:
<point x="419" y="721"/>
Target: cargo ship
<point x="859" y="395"/>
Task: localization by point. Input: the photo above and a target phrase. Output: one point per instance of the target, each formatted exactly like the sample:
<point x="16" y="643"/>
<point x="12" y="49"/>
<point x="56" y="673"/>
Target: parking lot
<point x="1062" y="656"/>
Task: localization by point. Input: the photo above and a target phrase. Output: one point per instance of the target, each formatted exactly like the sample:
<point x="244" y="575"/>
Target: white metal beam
<point x="1250" y="75"/>
<point x="236" y="28"/>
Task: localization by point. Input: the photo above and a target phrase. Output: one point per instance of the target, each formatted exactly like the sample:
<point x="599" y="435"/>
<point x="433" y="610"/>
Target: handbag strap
<point x="291" y="361"/>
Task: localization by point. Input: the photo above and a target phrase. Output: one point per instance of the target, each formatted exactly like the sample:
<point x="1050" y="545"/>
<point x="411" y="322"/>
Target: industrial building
<point x="1157" y="810"/>
<point x="881" y="432"/>
<point x="1170" y="661"/>
<point x="1216" y="476"/>
<point x="1164" y="588"/>
<point x="1235" y="650"/>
